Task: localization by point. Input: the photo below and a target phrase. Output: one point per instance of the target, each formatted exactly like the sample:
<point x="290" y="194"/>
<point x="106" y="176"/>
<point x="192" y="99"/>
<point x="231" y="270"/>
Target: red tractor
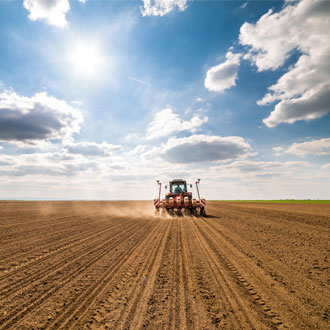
<point x="178" y="199"/>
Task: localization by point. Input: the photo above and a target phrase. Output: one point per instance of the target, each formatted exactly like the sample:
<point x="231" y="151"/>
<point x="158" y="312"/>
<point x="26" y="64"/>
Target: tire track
<point x="261" y="287"/>
<point x="262" y="214"/>
<point x="12" y="250"/>
<point x="251" y="293"/>
<point x="123" y="321"/>
<point x="15" y="286"/>
<point x="161" y="303"/>
<point x="34" y="227"/>
<point x="246" y="314"/>
<point x="197" y="315"/>
<point x="184" y="320"/>
<point x="215" y="308"/>
<point x="129" y="289"/>
<point x="136" y="317"/>
<point x="26" y="307"/>
<point x="76" y="310"/>
<point x="53" y="251"/>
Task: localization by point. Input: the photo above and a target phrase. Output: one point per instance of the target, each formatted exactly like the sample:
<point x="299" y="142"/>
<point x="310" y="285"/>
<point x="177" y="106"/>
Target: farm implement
<point x="179" y="200"/>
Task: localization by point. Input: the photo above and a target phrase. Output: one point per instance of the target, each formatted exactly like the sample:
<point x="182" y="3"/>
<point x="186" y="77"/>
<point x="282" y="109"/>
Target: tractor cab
<point x="178" y="187"/>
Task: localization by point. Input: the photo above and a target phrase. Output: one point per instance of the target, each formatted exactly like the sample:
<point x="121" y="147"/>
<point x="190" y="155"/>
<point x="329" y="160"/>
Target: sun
<point x="85" y="59"/>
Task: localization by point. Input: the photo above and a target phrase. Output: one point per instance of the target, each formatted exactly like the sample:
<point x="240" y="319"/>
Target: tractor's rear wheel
<point x="179" y="213"/>
<point x="202" y="212"/>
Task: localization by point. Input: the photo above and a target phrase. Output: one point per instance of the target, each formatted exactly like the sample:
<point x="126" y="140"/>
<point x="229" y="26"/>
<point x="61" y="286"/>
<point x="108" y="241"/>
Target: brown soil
<point x="113" y="265"/>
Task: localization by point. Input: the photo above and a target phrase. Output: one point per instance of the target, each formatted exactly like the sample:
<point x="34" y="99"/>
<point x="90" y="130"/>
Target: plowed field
<point x="114" y="265"/>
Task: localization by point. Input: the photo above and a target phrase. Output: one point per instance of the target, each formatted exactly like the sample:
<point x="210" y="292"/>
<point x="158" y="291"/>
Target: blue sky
<point x="98" y="99"/>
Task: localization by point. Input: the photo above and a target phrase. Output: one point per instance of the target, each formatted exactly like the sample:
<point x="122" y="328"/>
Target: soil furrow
<point x="44" y="238"/>
<point x="114" y="265"/>
<point x="32" y="304"/>
<point x="82" y="303"/>
<point x="246" y="314"/>
<point x="265" y="290"/>
<point x="53" y="251"/>
<point x="16" y="284"/>
<point x="128" y="284"/>
<point x="136" y="316"/>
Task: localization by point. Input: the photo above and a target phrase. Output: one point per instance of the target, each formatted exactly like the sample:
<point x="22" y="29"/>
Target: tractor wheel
<point x="193" y="212"/>
<point x="170" y="212"/>
<point x="202" y="212"/>
<point x="179" y="213"/>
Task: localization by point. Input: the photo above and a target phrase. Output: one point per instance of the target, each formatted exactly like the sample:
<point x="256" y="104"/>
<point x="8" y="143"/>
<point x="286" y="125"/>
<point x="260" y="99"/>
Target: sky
<point x="101" y="98"/>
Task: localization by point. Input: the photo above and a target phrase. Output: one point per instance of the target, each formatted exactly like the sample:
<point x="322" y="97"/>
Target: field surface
<point x="114" y="265"/>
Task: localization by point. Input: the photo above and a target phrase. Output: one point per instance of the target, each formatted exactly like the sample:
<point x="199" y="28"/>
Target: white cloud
<point x="48" y="165"/>
<point x="302" y="92"/>
<point x="256" y="168"/>
<point x="203" y="148"/>
<point x="224" y="75"/>
<point x="127" y="176"/>
<point x="326" y="166"/>
<point x="52" y="10"/>
<point x="161" y="7"/>
<point x="91" y="148"/>
<point x="134" y="137"/>
<point x="77" y="102"/>
<point x="314" y="103"/>
<point x="138" y="150"/>
<point x="315" y="147"/>
<point x="166" y="122"/>
<point x="278" y="149"/>
<point x="36" y="120"/>
<point x="258" y="171"/>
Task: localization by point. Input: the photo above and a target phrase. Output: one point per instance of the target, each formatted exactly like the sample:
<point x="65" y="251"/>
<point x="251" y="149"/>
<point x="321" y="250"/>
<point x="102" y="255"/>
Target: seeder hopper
<point x="179" y="200"/>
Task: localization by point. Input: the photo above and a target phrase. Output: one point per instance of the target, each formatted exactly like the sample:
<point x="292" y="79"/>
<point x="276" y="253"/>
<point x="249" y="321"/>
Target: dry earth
<point x="113" y="265"/>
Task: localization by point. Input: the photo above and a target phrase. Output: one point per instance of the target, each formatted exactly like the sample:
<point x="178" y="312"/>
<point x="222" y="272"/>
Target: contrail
<point x="143" y="82"/>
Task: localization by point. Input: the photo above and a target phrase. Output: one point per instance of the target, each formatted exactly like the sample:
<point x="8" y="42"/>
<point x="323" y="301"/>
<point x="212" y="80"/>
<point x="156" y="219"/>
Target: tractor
<point x="179" y="200"/>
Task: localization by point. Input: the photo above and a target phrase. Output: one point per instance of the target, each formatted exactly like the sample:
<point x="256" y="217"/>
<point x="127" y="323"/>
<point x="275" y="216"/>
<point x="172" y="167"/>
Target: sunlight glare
<point x="86" y="59"/>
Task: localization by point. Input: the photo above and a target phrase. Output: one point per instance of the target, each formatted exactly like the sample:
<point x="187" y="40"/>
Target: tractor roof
<point x="178" y="180"/>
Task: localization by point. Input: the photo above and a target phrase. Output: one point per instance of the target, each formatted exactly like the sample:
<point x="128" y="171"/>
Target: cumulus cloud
<point x="32" y="121"/>
<point x="6" y="160"/>
<point x="91" y="148"/>
<point x="166" y="122"/>
<point x="204" y="148"/>
<point x="314" y="103"/>
<point x="161" y="7"/>
<point x="51" y="10"/>
<point x="224" y="75"/>
<point x="46" y="164"/>
<point x="315" y="147"/>
<point x="258" y="171"/>
<point x="303" y="91"/>
<point x="249" y="166"/>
